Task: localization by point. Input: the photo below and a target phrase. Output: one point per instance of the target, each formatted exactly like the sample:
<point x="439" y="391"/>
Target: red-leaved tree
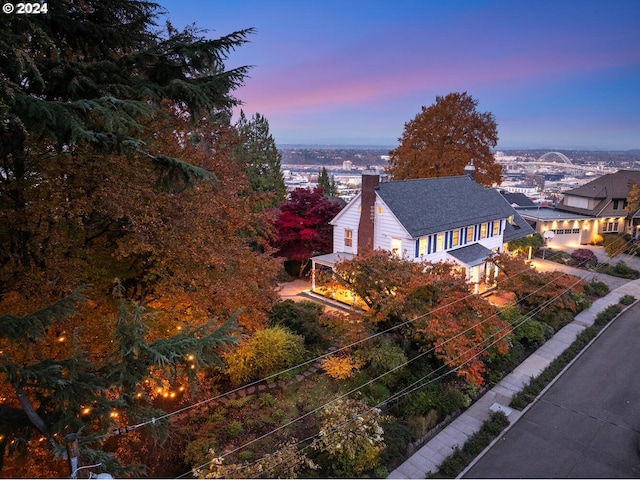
<point x="303" y="226"/>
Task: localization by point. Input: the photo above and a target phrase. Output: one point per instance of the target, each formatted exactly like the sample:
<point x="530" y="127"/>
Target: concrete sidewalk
<point x="435" y="451"/>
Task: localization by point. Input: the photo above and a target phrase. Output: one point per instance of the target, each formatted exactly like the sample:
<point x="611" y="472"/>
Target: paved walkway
<point x="434" y="452"/>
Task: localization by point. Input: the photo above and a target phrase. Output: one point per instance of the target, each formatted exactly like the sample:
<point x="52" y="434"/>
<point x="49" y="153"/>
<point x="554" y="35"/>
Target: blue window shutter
<point x="417" y="247"/>
<point x="490" y="232"/>
<point x="429" y="245"/>
<point x="447" y="235"/>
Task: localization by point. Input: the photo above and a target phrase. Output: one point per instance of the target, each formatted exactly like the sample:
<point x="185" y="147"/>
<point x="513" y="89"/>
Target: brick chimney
<point x="370" y="182"/>
<point x="470" y="170"/>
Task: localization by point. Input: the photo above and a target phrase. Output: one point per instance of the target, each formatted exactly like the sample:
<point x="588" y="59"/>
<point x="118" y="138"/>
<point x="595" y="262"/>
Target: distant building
<point x="518" y="199"/>
<point x="525" y="189"/>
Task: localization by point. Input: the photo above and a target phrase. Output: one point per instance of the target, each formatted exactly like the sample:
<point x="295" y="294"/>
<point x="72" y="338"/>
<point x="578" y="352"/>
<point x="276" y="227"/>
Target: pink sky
<point x="556" y="74"/>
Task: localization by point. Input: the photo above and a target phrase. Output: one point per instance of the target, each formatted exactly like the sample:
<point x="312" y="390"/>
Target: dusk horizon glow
<point x="555" y="74"/>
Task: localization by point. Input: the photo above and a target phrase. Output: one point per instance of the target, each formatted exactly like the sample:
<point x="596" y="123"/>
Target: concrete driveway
<point x="587" y="424"/>
<point x="612" y="282"/>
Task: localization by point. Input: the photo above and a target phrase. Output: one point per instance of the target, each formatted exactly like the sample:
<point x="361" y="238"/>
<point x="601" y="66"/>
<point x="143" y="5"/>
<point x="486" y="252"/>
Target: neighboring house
<point x="433" y="219"/>
<point x="595" y="208"/>
<point x="518" y="199"/>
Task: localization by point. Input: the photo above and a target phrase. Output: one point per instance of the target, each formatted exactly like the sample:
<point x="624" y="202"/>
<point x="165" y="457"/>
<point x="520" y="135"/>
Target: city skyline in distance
<point x="556" y="75"/>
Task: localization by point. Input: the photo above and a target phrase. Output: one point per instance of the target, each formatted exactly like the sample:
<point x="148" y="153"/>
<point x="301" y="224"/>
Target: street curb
<point x="545" y="389"/>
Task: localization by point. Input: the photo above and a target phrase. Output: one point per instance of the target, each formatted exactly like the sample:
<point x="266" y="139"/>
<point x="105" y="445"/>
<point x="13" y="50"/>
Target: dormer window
<point x="619" y="204"/>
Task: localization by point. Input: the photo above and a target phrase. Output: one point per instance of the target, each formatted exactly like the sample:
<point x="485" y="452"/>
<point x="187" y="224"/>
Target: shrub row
<point x="536" y="385"/>
<point x="620" y="269"/>
<point x="461" y="457"/>
<point x="584" y="258"/>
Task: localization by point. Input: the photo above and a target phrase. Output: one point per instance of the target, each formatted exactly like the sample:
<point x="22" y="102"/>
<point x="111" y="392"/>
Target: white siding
<point x="387" y="227"/>
<point x="348" y="218"/>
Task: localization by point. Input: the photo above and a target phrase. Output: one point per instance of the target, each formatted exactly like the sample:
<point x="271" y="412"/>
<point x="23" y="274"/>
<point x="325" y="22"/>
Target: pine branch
<point x="33" y="325"/>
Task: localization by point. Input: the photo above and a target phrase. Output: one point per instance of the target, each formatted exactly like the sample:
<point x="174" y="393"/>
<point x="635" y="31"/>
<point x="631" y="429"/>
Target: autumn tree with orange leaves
<point x="430" y="304"/>
<point x="549" y="296"/>
<point x="129" y="247"/>
<point x="444" y="138"/>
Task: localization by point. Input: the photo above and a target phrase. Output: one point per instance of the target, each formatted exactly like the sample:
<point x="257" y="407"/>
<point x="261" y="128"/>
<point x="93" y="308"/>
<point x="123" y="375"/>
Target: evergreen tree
<point x="99" y="179"/>
<point x="328" y="184"/>
<point x="62" y="391"/>
<point x="261" y="159"/>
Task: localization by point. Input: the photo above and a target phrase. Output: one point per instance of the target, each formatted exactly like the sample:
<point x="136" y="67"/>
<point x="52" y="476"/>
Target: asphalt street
<point x="587" y="424"/>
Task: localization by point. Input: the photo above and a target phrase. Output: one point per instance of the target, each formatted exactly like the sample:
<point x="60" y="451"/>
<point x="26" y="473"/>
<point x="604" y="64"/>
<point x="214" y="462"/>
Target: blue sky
<point x="555" y="74"/>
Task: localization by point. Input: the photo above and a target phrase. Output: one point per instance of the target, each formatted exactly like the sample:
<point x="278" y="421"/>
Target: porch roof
<point x="471" y="255"/>
<point x="330" y="259"/>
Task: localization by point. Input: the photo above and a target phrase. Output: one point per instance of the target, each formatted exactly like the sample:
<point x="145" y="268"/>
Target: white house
<point x="432" y="219"/>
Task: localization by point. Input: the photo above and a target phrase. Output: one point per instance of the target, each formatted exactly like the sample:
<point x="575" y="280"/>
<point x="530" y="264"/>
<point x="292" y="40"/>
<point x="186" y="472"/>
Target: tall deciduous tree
<point x="101" y="178"/>
<point x="443" y="138"/>
<point x="261" y="159"/>
<point x="303" y="225"/>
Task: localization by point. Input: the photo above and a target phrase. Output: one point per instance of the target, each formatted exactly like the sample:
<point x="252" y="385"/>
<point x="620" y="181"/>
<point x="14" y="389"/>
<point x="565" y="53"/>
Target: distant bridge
<point x="549" y="155"/>
<point x="557" y="159"/>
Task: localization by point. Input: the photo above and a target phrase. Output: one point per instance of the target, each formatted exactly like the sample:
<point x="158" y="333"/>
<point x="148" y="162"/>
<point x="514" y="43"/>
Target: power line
<point x="418" y="385"/>
<point x="398" y="395"/>
<point x="130" y="428"/>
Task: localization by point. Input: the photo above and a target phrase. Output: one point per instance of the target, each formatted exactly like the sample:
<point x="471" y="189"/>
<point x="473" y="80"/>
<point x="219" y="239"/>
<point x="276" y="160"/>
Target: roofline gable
<point x="349" y="205"/>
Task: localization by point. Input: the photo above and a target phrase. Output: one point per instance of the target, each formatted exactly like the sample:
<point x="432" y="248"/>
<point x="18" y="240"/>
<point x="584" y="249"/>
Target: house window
<point x="396" y="245"/>
<point x="469" y="234"/>
<point x="483" y="230"/>
<point x="455" y="241"/>
<point x="422" y="247"/>
<point x="440" y="242"/>
<point x="620" y="204"/>
<point x="496" y="228"/>
<point x="610" y="227"/>
<point x="348" y="238"/>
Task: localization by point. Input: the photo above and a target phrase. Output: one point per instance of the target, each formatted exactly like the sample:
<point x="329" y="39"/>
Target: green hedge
<point x="461" y="457"/>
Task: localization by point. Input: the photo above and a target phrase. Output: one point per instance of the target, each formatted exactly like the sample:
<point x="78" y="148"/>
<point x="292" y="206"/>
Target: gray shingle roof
<point x="431" y="205"/>
<point x="520" y="199"/>
<point x="471" y="255"/>
<point x="517" y="229"/>
<point x="604" y="188"/>
<point x="612" y="185"/>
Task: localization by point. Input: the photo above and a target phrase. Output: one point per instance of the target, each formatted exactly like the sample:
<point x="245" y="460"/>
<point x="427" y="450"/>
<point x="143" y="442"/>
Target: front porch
<point x="472" y="260"/>
<point x="480" y="274"/>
